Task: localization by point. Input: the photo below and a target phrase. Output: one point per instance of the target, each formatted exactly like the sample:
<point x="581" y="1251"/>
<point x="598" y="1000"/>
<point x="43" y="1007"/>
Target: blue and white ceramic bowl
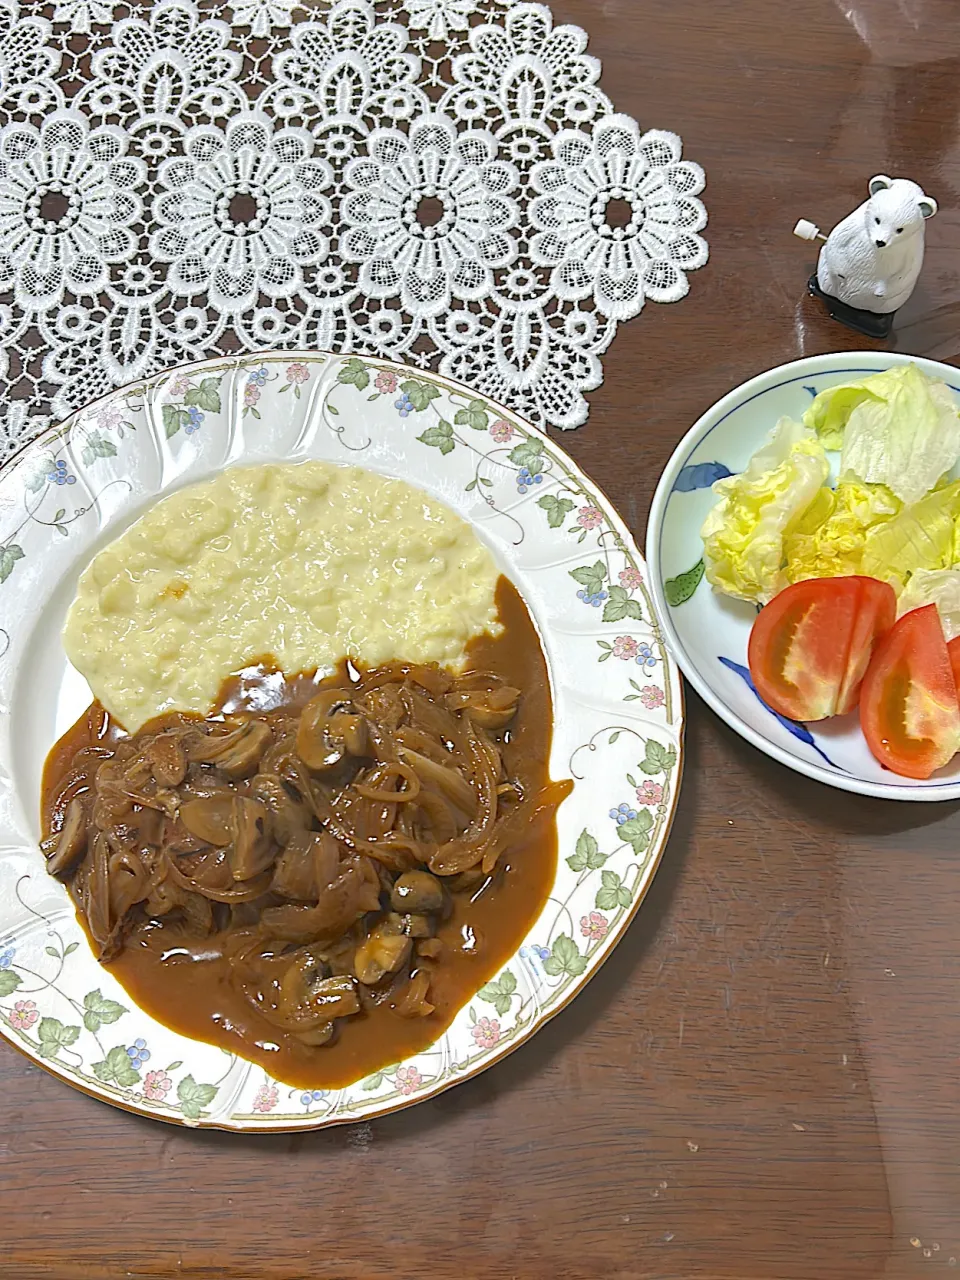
<point x="708" y="632"/>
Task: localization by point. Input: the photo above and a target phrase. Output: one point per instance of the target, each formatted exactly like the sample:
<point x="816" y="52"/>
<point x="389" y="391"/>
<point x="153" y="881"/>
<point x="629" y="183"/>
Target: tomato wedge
<point x="811" y="645"/>
<point x="953" y="649"/>
<point x="908" y="703"/>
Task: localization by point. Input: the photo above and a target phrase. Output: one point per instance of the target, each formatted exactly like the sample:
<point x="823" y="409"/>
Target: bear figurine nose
<point x="881" y="244"/>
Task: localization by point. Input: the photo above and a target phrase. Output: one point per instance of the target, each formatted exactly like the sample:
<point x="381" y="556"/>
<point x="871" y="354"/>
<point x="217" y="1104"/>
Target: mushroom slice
<point x="384" y="951"/>
<point x="71" y="841"/>
<point x="348" y="897"/>
<point x="489" y="708"/>
<point x="167" y="759"/>
<point x="418" y="926"/>
<point x="252" y="850"/>
<point x="237" y="754"/>
<point x="417" y="892"/>
<point x="307" y="866"/>
<point x="209" y="819"/>
<point x="290" y="818"/>
<point x="414" y="1003"/>
<point x="301" y="989"/>
<point x="329" y="730"/>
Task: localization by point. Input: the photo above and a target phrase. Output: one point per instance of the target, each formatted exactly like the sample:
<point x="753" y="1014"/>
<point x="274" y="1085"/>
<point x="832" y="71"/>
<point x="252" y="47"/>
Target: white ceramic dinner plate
<point x="708" y="632"/>
<point x="617" y="702"/>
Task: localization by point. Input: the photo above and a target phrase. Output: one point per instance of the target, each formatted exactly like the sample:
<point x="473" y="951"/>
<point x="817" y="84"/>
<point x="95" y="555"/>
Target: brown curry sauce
<point x="184" y="982"/>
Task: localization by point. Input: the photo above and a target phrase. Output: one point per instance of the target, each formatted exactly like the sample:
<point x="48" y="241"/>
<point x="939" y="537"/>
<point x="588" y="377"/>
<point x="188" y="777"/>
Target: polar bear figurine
<point x="872" y="258"/>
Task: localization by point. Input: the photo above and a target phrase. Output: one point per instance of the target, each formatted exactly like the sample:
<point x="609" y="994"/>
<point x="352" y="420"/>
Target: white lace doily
<point x="437" y="181"/>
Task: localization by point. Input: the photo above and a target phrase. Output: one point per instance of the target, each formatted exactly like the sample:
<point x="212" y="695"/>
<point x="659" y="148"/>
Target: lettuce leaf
<point x="898" y="428"/>
<point x="743" y="534"/>
<point x="831" y="409"/>
<point x="921" y="536"/>
<point x="828" y="540"/>
<point x="934" y="586"/>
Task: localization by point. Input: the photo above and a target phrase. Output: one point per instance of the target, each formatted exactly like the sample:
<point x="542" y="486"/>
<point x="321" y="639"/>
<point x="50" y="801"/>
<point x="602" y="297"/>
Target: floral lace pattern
<point x="441" y="182"/>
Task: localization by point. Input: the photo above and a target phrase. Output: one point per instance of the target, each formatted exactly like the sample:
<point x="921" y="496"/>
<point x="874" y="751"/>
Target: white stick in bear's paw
<point x="872" y="258"/>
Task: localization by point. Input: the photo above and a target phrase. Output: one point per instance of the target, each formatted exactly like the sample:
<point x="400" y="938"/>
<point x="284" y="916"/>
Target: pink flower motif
<point x="589" y="517"/>
<point x="156" y="1085"/>
<point x="386" y="382"/>
<point x="625" y="647"/>
<point x="409" y="1079"/>
<point x="251" y="394"/>
<point x="486" y="1032"/>
<point x="24" y="1015"/>
<point x="180" y="385"/>
<point x="631" y="579"/>
<point x="266" y="1098"/>
<point x="297" y="373"/>
<point x="594" y="926"/>
<point x="652" y="697"/>
<point x="502" y="431"/>
<point x="110" y="417"/>
<point x="650" y="792"/>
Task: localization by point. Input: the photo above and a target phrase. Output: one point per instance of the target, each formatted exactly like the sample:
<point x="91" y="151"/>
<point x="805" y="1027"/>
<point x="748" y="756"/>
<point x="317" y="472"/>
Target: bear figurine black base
<point x="870" y="323"/>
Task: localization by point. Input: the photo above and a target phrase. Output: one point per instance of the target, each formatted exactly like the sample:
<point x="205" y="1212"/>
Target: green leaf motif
<point x="372" y="1082"/>
<point x="39" y="477"/>
<point x="590" y="576"/>
<point x="70" y="949"/>
<point x="564" y="958"/>
<point x="678" y="590"/>
<point x="54" y="1036"/>
<point x="9" y="981"/>
<point x="419" y="393"/>
<point x="206" y="396"/>
<point x="658" y="759"/>
<point x="117" y="1068"/>
<point x="96" y="446"/>
<point x="97" y="1010"/>
<point x="636" y="831"/>
<point x="620" y="606"/>
<point x="173" y="419"/>
<point x="529" y="454"/>
<point x="613" y="894"/>
<point x="439" y="437"/>
<point x="586" y="846"/>
<point x="475" y="415"/>
<point x="194" y="1097"/>
<point x="9" y="555"/>
<point x="556" y="509"/>
<point x="587" y="856"/>
<point x="499" y="992"/>
<point x="355" y="374"/>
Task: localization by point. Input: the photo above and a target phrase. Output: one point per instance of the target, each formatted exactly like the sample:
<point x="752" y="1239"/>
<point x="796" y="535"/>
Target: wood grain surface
<point x="764" y="1080"/>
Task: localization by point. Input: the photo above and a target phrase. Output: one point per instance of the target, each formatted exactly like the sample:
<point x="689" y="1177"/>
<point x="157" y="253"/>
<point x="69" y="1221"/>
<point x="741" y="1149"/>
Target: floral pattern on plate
<point x="618" y="723"/>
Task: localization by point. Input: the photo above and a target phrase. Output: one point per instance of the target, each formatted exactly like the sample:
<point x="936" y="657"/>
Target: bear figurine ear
<point x="880" y="183"/>
<point x="927" y="206"/>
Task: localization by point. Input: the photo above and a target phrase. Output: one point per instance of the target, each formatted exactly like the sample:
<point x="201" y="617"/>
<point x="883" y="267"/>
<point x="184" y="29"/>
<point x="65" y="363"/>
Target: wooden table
<point x="764" y="1080"/>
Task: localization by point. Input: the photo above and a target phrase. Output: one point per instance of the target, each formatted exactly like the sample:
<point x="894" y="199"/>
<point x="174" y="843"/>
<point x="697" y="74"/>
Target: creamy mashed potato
<point x="307" y="563"/>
